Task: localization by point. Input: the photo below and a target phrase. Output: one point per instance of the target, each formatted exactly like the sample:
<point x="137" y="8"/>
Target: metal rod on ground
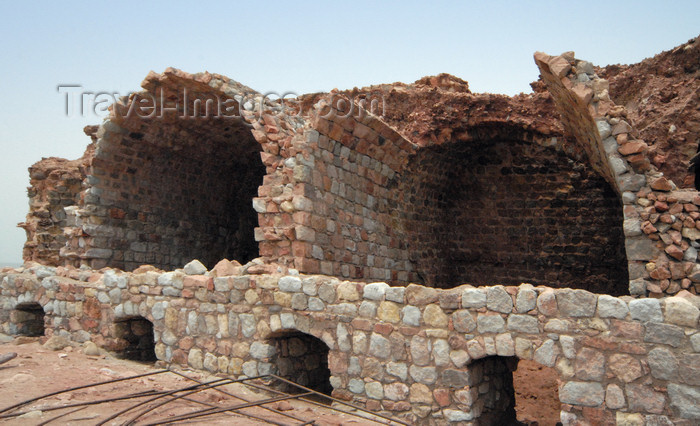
<point x="87" y="403"/>
<point x="29" y="401"/>
<point x="61" y="415"/>
<point x="7" y="357"/>
<point x="337" y="400"/>
<point x="198" y="388"/>
<point x="126" y="410"/>
<point x="282" y="413"/>
<point x="231" y="413"/>
<point x="203" y="413"/>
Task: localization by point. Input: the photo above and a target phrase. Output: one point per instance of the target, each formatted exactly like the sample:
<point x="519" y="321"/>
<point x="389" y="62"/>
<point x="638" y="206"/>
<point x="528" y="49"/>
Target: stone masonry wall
<point x="661" y="235"/>
<point x="407" y="351"/>
<point x="511" y="211"/>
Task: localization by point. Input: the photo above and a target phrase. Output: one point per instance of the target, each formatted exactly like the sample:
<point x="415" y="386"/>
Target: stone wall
<point x="659" y="220"/>
<point x="411" y="351"/>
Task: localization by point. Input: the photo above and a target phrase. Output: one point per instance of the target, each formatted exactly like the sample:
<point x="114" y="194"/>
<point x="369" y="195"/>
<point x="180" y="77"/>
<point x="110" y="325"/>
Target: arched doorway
<point x="134" y="339"/>
<point x="28" y="318"/>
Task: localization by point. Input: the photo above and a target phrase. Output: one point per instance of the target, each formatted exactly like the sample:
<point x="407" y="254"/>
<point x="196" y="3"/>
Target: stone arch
<point x="299" y="357"/>
<point x="28" y="319"/>
<point x="134" y="339"/>
<point x="507" y="206"/>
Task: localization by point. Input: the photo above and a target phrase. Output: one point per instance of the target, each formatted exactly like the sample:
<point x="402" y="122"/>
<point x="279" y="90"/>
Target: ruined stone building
<point x="400" y="246"/>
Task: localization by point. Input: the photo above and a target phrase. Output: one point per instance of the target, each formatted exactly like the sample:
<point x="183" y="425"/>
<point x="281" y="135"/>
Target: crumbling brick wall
<point x="510" y="211"/>
<point x="55" y="184"/>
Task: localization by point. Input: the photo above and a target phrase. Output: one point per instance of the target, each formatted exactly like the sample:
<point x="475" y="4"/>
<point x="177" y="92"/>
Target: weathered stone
<point x="663" y="364"/>
<point x="425" y="375"/>
<point x="347" y="291"/>
<point x="526" y="300"/>
<point x="420" y="350"/>
<point x="396" y="294"/>
<point x="546" y="354"/>
<point x="614" y="397"/>
<point x="523" y="324"/>
<point x="455" y="378"/>
<point x="379" y="346"/>
<point x="195" y="267"/>
<point x="505" y="345"/>
<point x="398" y="369"/>
<point x="611" y="307"/>
<point x="490" y="323"/>
<point x="646" y="310"/>
<point x="625" y="367"/>
<point x="642" y="398"/>
<point x="547" y="303"/>
<point x="327" y="293"/>
<point x="663" y="333"/>
<point x="590" y="365"/>
<point x="420" y="295"/>
<point x="389" y="312"/>
<point x="628" y="419"/>
<point x="497" y="299"/>
<point x="680" y="311"/>
<point x="374" y="390"/>
<point x="289" y="284"/>
<point x="459" y="358"/>
<point x="576" y="303"/>
<point x="368" y="309"/>
<point x="375" y="291"/>
<point x="686" y="399"/>
<point x="410" y="315"/>
<point x="588" y="394"/>
<point x="689" y="370"/>
<point x="463" y="321"/>
<point x="396" y="391"/>
<point x="433" y="316"/>
<point x="473" y="298"/>
<point x="695" y="342"/>
<point x="441" y="352"/>
<point x="420" y="394"/>
<point x="195" y="358"/>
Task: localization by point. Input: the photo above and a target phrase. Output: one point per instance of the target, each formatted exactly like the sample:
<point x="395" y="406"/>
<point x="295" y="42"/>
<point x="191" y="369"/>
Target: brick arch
<point x="506" y="206"/>
<point x="167" y="189"/>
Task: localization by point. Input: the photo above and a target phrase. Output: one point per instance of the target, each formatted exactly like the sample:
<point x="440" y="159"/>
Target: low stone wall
<point x="413" y="352"/>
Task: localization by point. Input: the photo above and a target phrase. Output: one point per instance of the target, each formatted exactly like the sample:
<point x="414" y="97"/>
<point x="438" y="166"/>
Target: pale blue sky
<point x="287" y="46"/>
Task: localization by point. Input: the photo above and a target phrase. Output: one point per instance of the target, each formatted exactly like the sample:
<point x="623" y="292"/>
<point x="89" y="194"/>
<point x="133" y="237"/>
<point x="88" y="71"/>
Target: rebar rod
<point x="126" y="410"/>
<point x="29" y="401"/>
<point x="337" y="400"/>
<point x="282" y="413"/>
<point x="86" y="403"/>
<point x="203" y="413"/>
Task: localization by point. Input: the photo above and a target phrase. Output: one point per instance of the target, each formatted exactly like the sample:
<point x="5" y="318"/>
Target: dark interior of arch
<point x="29" y="319"/>
<point x="135" y="339"/>
<point x="506" y="211"/>
<point x="185" y="191"/>
<point x="302" y="359"/>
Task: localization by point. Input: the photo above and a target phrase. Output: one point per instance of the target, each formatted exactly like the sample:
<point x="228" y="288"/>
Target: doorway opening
<point x="29" y="319"/>
<point x="135" y="340"/>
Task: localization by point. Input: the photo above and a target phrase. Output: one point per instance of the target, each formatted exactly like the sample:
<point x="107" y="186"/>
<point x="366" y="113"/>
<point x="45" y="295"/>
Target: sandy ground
<point x="38" y="370"/>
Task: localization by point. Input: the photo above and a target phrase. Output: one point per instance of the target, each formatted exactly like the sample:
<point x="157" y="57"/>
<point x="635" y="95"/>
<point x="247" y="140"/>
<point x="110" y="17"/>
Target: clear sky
<point x="287" y="46"/>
